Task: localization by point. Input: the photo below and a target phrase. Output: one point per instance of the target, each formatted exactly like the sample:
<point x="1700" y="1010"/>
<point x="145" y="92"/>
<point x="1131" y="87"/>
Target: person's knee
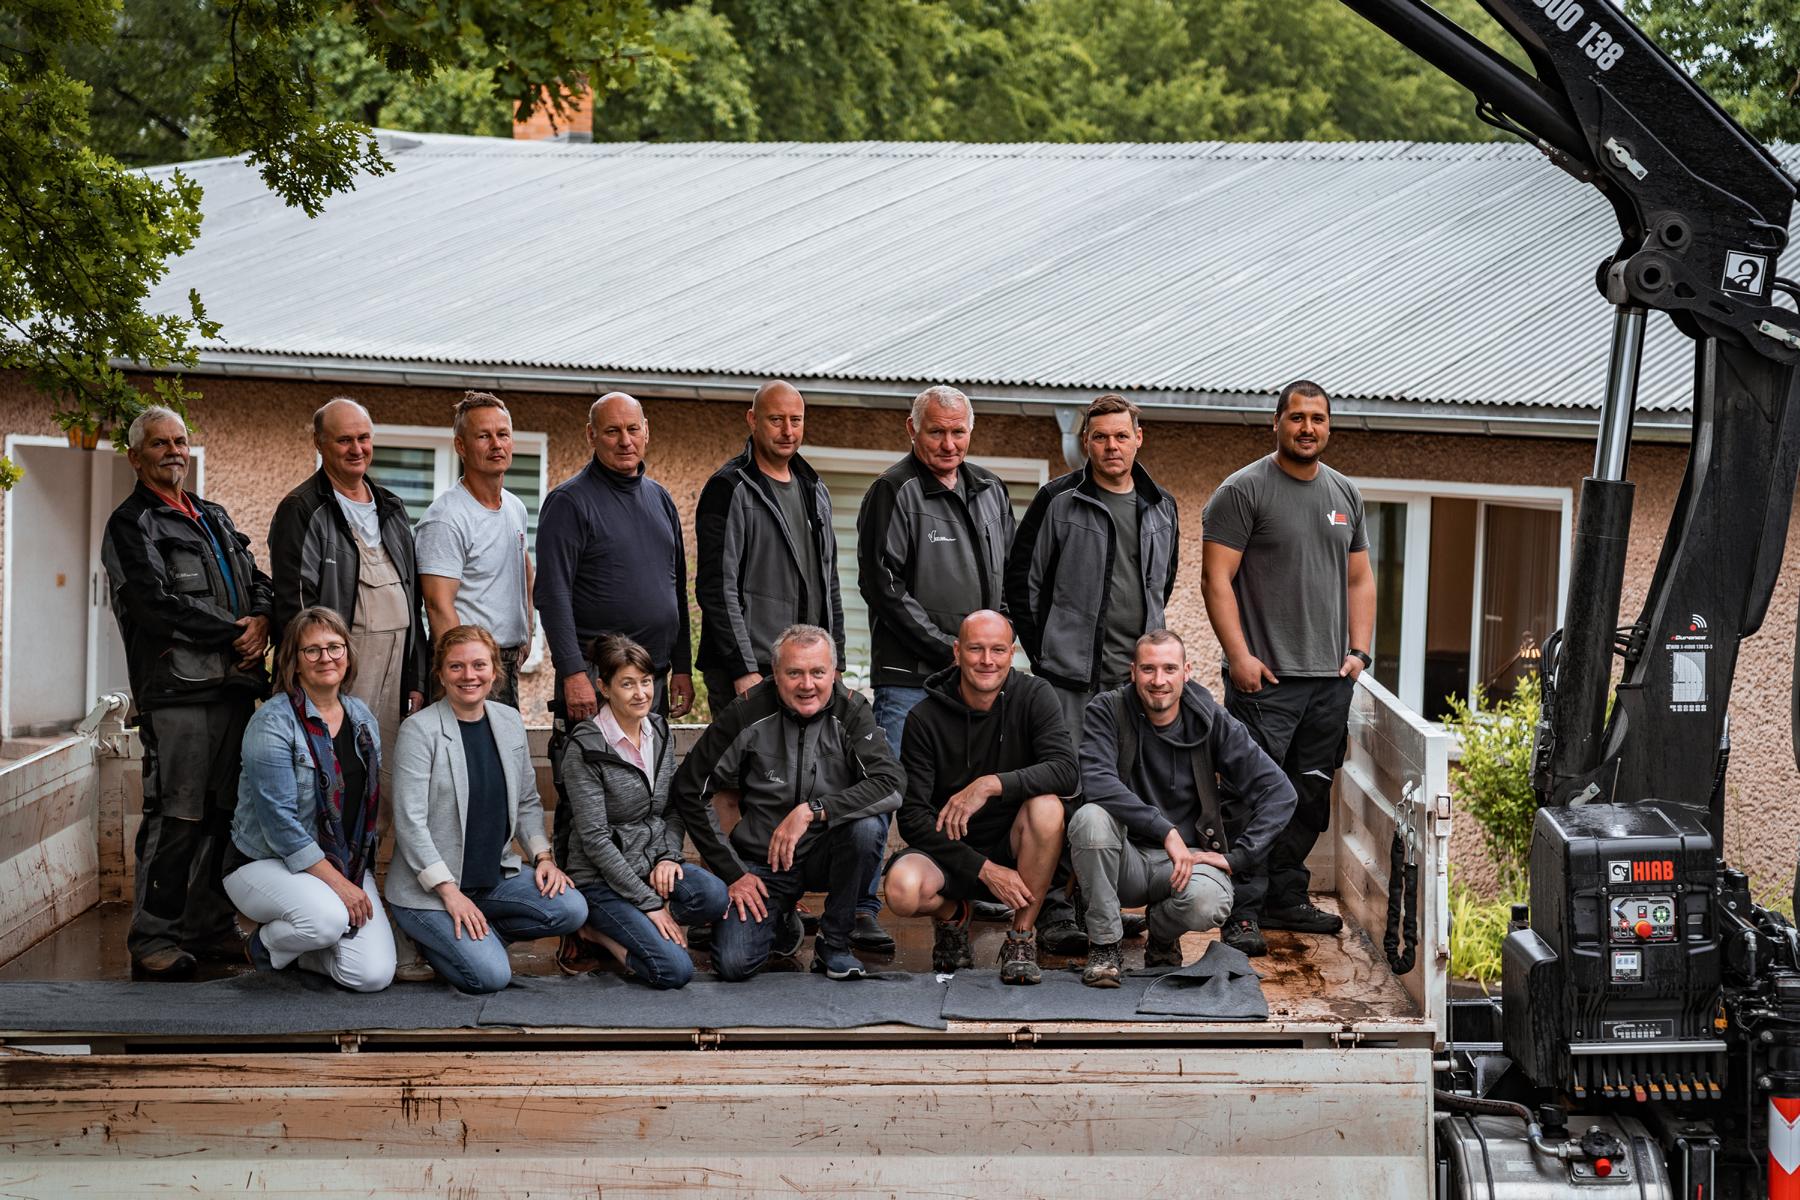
<point x="670" y="971"/>
<point x="734" y="965"/>
<point x="372" y="973"/>
<point x="906" y="887"/>
<point x="567" y="912"/>
<point x="489" y="974"/>
<point x="1205" y="903"/>
<point x="1043" y="817"/>
<point x="1092" y="828"/>
<point x="320" y="924"/>
<point x="866" y="835"/>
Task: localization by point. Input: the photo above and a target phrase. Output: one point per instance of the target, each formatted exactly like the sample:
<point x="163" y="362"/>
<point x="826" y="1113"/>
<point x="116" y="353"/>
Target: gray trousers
<point x="1116" y="871"/>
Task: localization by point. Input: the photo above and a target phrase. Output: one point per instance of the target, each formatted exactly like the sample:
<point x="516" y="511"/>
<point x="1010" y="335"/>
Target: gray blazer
<point x="431" y="801"/>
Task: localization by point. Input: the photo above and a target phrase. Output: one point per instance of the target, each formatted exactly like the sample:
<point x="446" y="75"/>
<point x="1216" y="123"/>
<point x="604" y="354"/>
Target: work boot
<point x="790" y="932"/>
<point x="1018" y="958"/>
<point x="1063" y="937"/>
<point x="868" y="935"/>
<point x="227" y="945"/>
<point x="1104" y="965"/>
<point x="1136" y="925"/>
<point x="950" y="944"/>
<point x="1245" y="937"/>
<point x="1302" y="918"/>
<point x="836" y="962"/>
<point x="1163" y="954"/>
<point x="419" y="971"/>
<point x="992" y="910"/>
<point x="164" y="963"/>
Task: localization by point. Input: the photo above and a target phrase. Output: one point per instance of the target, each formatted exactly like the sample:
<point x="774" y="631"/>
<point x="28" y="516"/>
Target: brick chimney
<point x="576" y="125"/>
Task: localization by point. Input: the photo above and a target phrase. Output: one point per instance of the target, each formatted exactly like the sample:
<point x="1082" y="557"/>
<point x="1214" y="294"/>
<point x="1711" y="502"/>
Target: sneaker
<point x="419" y="971"/>
<point x="1018" y="959"/>
<point x="164" y="963"/>
<point x="868" y="935"/>
<point x="1136" y="925"/>
<point x="1162" y="954"/>
<point x="836" y="962"/>
<point x="699" y="935"/>
<point x="1104" y="965"/>
<point x="256" y="952"/>
<point x="950" y="950"/>
<point x="991" y="910"/>
<point x="1245" y="937"/>
<point x="225" y="946"/>
<point x="790" y="933"/>
<point x="1062" y="937"/>
<point x="1302" y="918"/>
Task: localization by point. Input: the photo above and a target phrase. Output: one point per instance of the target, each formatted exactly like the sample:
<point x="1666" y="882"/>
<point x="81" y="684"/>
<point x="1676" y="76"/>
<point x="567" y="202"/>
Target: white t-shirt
<point x="362" y="517"/>
<point x="484" y="549"/>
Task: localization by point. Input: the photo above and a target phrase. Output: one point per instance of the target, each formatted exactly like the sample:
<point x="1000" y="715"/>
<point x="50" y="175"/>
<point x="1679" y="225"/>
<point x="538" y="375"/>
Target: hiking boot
<point x="790" y="933"/>
<point x="1302" y="918"/>
<point x="164" y="963"/>
<point x="950" y="946"/>
<point x="256" y="952"/>
<point x="419" y="971"/>
<point x="1245" y="937"/>
<point x="1162" y="954"/>
<point x="992" y="910"/>
<point x="1063" y="937"/>
<point x="1018" y="959"/>
<point x="1136" y="925"/>
<point x="836" y="962"/>
<point x="227" y="945"/>
<point x="1104" y="965"/>
<point x="868" y="935"/>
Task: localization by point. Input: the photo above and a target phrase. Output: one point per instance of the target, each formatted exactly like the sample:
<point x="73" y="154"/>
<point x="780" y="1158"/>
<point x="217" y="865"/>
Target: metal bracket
<point x="706" y="1039"/>
<point x="1624" y="158"/>
<point x="1786" y="337"/>
<point x="1345" y="1039"/>
<point x="349" y="1043"/>
<point x="1023" y="1036"/>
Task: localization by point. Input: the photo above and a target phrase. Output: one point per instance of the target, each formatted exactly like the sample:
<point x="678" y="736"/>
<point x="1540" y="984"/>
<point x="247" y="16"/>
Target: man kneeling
<point x="1177" y="799"/>
<point x="814" y="775"/>
<point x="987" y="762"/>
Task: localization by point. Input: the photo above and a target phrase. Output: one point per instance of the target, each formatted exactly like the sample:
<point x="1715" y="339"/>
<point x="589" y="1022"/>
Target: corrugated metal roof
<point x="1391" y="271"/>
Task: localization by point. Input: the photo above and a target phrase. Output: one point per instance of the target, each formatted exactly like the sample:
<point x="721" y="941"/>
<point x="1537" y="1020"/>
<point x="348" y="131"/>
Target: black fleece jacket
<point x="948" y="745"/>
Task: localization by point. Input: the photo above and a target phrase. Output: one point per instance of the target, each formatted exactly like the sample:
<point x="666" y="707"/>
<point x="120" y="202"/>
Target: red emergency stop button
<point x="1643" y="929"/>
<point x="1603" y="1167"/>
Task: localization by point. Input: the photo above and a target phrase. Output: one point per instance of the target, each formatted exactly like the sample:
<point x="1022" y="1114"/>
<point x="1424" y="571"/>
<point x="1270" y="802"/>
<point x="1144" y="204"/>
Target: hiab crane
<point x="1650" y="1008"/>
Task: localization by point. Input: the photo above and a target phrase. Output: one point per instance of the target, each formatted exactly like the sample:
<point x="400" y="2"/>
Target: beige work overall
<point x="383" y="619"/>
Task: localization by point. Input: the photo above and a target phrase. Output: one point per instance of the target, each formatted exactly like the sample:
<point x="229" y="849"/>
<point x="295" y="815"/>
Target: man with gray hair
<point x="931" y="546"/>
<point x="474" y="565"/>
<point x="817" y="783"/>
<point x="193" y="609"/>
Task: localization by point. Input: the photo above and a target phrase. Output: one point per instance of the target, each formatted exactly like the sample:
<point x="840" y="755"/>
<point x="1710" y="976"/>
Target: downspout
<point x="1068" y="419"/>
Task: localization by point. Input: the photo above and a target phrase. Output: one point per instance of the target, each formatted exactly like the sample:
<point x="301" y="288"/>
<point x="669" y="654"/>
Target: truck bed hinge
<point x="1346" y="1039"/>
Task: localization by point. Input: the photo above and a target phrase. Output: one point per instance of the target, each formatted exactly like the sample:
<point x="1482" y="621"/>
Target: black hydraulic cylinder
<point x="1590" y="625"/>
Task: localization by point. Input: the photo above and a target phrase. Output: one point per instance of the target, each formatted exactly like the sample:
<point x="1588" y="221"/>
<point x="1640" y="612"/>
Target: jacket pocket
<point x="187" y="571"/>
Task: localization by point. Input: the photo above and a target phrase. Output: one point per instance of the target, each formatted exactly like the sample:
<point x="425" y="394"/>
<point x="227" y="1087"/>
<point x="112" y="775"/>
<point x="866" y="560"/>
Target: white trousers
<point x="304" y="922"/>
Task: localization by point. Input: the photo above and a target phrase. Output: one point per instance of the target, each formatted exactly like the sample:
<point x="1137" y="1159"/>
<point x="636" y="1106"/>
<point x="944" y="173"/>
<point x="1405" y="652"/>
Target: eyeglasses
<point x="331" y="650"/>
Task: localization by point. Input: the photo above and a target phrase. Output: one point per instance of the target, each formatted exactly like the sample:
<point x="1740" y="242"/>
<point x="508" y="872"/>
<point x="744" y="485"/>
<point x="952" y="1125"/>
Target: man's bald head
<point x="777" y="420"/>
<point x="985" y="623"/>
<point x="776" y="389"/>
<point x="618" y="431"/>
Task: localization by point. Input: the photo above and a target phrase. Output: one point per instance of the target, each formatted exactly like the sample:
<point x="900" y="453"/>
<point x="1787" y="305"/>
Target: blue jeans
<point x="698" y="896"/>
<point x="842" y="863"/>
<point x="516" y="912"/>
<point x="892" y="703"/>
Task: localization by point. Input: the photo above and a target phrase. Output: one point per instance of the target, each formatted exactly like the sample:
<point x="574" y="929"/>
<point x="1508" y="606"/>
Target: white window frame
<point x="446" y="467"/>
<point x="1417" y="495"/>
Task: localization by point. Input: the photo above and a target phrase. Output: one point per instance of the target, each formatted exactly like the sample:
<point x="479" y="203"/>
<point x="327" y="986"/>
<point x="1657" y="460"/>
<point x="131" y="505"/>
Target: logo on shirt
<point x="772" y="777"/>
<point x="935" y="536"/>
<point x="1334" y="517"/>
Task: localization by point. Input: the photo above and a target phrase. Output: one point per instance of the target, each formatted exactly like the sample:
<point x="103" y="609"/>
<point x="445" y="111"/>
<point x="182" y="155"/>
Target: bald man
<point x="768" y="557"/>
<point x="610" y="560"/>
<point x="987" y="761"/>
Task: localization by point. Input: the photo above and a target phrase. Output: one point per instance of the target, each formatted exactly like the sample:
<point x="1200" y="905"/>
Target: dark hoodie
<point x="948" y="745"/>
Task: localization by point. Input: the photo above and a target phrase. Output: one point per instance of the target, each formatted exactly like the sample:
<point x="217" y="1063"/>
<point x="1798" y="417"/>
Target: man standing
<point x="1177" y="801"/>
<point x="473" y="563"/>
<point x="1289" y="591"/>
<point x="931" y="543"/>
<point x="816" y="780"/>
<point x="342" y="541"/>
<point x="193" y="610"/>
<point x="1094" y="563"/>
<point x="987" y="764"/>
<point x="768" y="557"/>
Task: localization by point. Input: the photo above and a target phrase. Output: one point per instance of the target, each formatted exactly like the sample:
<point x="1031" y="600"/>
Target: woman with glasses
<point x="625" y="851"/>
<point x="302" y="855"/>
<point x="465" y="795"/>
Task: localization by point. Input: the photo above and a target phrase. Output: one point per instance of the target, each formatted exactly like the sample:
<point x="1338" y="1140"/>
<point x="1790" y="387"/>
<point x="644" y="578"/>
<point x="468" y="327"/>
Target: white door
<point x="112" y="481"/>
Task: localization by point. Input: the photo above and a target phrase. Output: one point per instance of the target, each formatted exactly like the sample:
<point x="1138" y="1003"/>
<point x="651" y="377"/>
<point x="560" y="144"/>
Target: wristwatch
<point x="1367" y="662"/>
<point x="818" y="808"/>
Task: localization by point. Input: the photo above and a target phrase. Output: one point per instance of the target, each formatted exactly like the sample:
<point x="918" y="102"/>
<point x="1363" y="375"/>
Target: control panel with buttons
<point x="1643" y="919"/>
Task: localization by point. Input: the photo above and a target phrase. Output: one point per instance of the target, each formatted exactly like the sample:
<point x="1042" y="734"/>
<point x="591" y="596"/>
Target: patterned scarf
<point x="350" y="851"/>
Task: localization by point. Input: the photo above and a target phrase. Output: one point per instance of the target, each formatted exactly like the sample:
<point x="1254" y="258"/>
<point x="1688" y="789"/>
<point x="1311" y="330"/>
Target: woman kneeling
<point x="625" y="848"/>
<point x="302" y="853"/>
<point x="465" y="792"/>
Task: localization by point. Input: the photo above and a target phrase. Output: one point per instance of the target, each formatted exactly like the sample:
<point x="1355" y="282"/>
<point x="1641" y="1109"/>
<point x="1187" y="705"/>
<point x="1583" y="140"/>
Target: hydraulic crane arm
<point x="1703" y="212"/>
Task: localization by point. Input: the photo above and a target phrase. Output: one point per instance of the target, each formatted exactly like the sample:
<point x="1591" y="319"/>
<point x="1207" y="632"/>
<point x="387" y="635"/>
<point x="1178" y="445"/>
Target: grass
<point x="1477" y="929"/>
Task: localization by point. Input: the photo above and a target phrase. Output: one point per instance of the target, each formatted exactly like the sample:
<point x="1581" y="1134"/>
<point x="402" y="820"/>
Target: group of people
<point x="1104" y="778"/>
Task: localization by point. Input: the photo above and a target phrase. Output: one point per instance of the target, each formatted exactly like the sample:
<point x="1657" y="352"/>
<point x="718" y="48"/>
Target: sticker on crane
<point x="1688" y="645"/>
<point x="1746" y="274"/>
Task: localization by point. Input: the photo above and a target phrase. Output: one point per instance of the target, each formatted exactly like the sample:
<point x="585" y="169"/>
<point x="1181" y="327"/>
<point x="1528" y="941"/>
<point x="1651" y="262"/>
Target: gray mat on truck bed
<point x="1222" y="986"/>
<point x="244" y="1005"/>
<point x="776" y="1000"/>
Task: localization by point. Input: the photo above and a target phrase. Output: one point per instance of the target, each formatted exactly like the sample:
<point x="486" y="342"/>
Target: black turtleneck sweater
<point x="948" y="745"/>
<point x="610" y="560"/>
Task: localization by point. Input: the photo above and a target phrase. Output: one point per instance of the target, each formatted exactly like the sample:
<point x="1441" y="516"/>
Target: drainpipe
<point x="1068" y="419"/>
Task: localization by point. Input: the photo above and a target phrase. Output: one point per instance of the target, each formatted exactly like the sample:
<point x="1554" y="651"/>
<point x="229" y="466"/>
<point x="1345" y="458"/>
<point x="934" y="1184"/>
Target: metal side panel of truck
<point x="1331" y="1097"/>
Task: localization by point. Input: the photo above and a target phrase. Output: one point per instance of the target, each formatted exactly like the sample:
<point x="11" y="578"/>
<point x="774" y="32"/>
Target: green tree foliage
<point x="1493" y="781"/>
<point x="1745" y="52"/>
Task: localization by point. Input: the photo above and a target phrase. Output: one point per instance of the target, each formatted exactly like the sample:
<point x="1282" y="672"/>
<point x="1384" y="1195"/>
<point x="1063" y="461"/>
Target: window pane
<point x="1386" y="523"/>
<point x="1450" y="597"/>
<point x="1520" y="552"/>
<point x="522" y="481"/>
<point x="410" y="472"/>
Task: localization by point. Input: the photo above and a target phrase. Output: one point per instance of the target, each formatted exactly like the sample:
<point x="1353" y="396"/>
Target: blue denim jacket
<point x="277" y="815"/>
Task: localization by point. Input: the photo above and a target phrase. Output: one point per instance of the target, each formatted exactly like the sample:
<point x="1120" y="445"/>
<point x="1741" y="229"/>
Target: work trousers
<point x="1301" y="723"/>
<point x="304" y="922"/>
<point x="1115" y="871"/>
<point x="191" y="758"/>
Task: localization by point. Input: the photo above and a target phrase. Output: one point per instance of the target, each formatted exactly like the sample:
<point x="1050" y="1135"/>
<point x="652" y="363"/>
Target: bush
<point x="1494" y="781"/>
<point x="1478" y="927"/>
